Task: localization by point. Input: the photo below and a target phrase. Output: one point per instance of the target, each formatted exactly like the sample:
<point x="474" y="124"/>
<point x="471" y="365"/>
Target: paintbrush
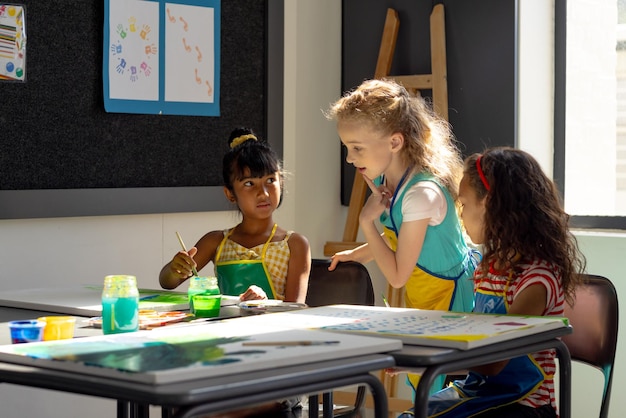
<point x="385" y="300"/>
<point x="182" y="244"/>
<point x="287" y="343"/>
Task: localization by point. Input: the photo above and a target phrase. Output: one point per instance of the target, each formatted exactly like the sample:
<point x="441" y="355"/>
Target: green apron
<point x="234" y="277"/>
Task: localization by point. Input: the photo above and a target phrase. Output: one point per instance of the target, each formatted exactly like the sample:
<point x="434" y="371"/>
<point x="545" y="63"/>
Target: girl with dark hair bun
<point x="255" y="259"/>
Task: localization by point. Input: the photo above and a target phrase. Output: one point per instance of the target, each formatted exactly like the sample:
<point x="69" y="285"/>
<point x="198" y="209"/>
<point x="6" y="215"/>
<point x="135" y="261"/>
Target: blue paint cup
<point x="26" y="331"/>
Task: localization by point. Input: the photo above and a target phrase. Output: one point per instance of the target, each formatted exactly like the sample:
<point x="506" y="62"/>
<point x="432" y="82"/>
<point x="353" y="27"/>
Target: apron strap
<point x="267" y="243"/>
<point x="230" y="231"/>
<point x="221" y="246"/>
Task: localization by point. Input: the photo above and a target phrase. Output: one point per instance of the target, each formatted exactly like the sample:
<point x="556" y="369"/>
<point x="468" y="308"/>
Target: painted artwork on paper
<point x="420" y="327"/>
<point x="183" y="351"/>
<point x="133" y="69"/>
<point x="142" y="355"/>
<point x="12" y="42"/>
<point x="162" y="57"/>
<point x="189" y="54"/>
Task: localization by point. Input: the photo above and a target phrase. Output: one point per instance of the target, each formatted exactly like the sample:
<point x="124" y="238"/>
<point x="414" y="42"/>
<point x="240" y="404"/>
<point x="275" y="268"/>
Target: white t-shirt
<point x="424" y="200"/>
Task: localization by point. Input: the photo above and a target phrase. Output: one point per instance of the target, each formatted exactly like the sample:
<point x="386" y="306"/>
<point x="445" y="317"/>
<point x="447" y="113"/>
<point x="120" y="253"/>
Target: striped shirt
<point x="527" y="274"/>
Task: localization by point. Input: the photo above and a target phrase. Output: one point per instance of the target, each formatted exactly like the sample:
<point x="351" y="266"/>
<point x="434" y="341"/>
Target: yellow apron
<point x="477" y="393"/>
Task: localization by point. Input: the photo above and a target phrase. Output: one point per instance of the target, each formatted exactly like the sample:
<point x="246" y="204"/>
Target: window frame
<point x="560" y="83"/>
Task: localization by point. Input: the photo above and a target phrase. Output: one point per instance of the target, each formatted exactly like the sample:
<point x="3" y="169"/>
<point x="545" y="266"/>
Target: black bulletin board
<point x="61" y="154"/>
<point x="481" y="46"/>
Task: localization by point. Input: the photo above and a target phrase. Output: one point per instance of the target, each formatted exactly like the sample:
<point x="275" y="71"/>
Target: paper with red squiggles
<point x="189" y="53"/>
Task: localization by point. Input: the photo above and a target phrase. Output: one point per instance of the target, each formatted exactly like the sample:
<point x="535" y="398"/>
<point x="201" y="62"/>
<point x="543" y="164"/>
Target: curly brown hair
<point x="524" y="215"/>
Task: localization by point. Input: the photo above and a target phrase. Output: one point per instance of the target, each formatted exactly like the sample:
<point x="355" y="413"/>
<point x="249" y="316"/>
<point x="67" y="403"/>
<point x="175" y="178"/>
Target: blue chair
<point x="594" y="319"/>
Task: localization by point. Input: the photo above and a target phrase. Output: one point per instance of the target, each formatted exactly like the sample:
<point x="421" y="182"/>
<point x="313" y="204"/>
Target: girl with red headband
<point x="530" y="266"/>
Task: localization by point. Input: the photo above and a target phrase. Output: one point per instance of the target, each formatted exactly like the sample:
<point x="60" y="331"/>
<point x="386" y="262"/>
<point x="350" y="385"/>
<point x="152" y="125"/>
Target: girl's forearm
<point x="383" y="255"/>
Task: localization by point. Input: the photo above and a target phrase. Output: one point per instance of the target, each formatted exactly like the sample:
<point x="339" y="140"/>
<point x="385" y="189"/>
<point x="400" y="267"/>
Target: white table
<point x="349" y="363"/>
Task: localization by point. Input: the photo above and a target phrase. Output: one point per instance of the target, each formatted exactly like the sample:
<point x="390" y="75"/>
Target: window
<point x="590" y="111"/>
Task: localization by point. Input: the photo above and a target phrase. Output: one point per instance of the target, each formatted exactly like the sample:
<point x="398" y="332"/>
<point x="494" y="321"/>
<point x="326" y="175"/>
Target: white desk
<point x="266" y="374"/>
<point x="438" y="361"/>
<point x="435" y="360"/>
<point x="424" y="347"/>
<point x="202" y="396"/>
<point x="85" y="300"/>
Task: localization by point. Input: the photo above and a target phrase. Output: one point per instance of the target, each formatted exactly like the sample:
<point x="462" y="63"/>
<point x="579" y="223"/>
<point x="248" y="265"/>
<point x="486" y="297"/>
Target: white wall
<point x="45" y="252"/>
<point x="312" y="147"/>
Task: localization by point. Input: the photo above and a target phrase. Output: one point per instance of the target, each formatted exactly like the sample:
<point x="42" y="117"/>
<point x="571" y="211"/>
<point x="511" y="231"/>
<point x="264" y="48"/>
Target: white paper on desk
<point x="416" y="326"/>
<point x="172" y="354"/>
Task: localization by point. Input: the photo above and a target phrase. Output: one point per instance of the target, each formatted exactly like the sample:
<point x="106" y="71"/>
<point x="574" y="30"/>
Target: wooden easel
<point x="437" y="82"/>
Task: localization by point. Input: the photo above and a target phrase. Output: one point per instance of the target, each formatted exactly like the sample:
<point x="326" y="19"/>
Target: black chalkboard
<point x="481" y="46"/>
<point x="61" y="154"/>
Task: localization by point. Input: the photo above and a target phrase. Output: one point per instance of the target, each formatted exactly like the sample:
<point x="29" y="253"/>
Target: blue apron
<point x="442" y="277"/>
<point x="477" y="393"/>
<point x="234" y="277"/>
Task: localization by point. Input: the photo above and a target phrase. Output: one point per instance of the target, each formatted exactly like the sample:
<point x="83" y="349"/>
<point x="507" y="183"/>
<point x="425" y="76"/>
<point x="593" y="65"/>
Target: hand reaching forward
<point x="253" y="293"/>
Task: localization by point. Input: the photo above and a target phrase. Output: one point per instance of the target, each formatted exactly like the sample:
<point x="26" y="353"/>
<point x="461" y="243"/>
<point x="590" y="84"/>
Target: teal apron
<point x="442" y="277"/>
<point x="466" y="398"/>
<point x="426" y="289"/>
<point x="236" y="276"/>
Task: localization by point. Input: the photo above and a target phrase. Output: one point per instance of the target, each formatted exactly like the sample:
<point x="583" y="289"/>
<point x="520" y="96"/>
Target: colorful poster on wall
<point x="162" y="57"/>
<point x="12" y="42"/>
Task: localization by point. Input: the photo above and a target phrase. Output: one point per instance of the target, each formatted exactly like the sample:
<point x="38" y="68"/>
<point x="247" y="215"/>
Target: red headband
<point x="481" y="174"/>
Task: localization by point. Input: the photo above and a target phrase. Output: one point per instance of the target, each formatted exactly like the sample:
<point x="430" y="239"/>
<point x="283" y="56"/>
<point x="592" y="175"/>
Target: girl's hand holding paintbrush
<point x="183" y="265"/>
<point x="182" y="245"/>
<point x="180" y="268"/>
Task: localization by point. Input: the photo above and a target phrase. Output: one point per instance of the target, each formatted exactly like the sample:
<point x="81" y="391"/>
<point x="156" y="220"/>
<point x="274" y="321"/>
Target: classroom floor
<point x="365" y="412"/>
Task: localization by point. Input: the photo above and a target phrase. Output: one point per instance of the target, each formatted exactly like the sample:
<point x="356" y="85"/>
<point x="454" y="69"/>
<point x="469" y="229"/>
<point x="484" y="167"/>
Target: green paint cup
<point x="206" y="306"/>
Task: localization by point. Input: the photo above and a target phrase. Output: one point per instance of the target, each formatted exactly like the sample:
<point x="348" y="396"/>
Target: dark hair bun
<point x="240" y="135"/>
